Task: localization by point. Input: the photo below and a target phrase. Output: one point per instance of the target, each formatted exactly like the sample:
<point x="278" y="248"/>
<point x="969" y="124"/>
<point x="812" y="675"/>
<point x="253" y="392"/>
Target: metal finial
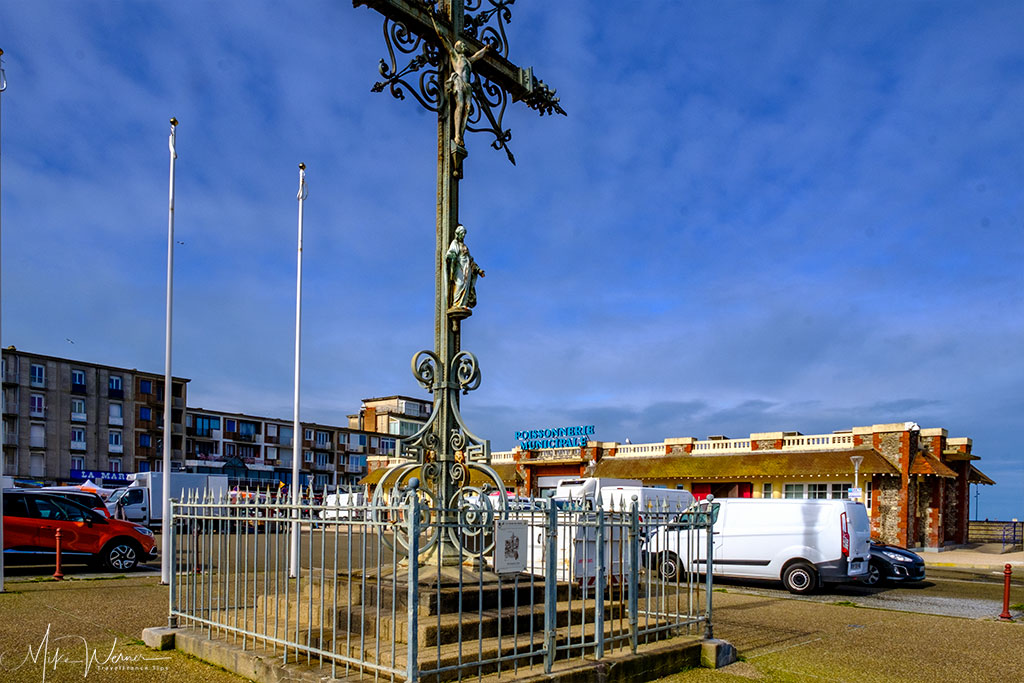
<point x="302" y="166"/>
<point x="174" y="121"/>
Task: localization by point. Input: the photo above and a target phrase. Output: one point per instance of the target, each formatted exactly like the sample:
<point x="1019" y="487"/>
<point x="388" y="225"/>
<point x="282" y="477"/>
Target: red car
<point x="31" y="519"/>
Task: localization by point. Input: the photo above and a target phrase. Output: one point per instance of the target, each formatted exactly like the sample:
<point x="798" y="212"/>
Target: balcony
<point x="37" y="412"/>
<point x="79" y="417"/>
<point x="78" y="446"/>
<point x="79" y="389"/>
<point x="177" y="402"/>
<point x="176" y="428"/>
<point x="117" y="421"/>
<point x="115" y="393"/>
<point x="118" y="448"/>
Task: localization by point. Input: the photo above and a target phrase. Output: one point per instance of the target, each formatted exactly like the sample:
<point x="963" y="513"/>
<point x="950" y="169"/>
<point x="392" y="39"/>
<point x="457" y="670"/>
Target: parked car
<point x="86" y="498"/>
<point x="892" y="563"/>
<point x="31" y="519"/>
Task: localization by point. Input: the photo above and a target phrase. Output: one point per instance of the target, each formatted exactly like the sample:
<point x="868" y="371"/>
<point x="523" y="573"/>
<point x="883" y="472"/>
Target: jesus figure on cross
<point x="460" y="81"/>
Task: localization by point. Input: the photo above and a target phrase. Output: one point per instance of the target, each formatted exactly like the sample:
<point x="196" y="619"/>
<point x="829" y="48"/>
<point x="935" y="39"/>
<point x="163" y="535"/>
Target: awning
<point x="747" y="465"/>
<point x="925" y="463"/>
<point x="975" y="476"/>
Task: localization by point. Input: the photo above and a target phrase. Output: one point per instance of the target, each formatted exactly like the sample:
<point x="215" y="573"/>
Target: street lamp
<point x="856" y="460"/>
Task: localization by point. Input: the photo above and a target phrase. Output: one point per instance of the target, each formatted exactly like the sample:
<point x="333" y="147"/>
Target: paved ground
<point x="89" y="627"/>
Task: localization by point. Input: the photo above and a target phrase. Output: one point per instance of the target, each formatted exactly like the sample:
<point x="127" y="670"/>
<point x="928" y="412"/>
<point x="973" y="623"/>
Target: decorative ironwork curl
<point x="466" y="370"/>
<point x="457" y="440"/>
<point x="431" y="472"/>
<point x="477" y="25"/>
<point x="457" y="471"/>
<point x="428" y="92"/>
<point x="424" y="368"/>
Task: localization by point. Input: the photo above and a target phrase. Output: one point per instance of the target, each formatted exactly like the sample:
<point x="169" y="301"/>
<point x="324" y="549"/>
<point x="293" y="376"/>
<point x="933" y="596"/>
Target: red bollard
<point x="57" y="575"/>
<point x="1007" y="572"/>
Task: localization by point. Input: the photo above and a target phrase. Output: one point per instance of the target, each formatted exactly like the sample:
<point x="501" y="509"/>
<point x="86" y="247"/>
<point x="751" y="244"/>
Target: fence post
<point x="550" y="587"/>
<point x="412" y="651"/>
<point x="634" y="584"/>
<point x="709" y="518"/>
<point x="172" y="589"/>
<point x="599" y="598"/>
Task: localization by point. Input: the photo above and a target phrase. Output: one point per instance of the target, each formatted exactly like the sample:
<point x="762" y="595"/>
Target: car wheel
<point x="121" y="555"/>
<point x="873" y="576"/>
<point x="669" y="567"/>
<point x="800" y="578"/>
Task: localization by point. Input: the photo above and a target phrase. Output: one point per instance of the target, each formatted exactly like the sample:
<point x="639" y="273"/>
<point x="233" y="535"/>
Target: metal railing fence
<point x="356" y="603"/>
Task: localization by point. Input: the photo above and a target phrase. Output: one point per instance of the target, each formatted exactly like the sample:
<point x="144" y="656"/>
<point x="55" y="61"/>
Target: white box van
<point x="803" y="543"/>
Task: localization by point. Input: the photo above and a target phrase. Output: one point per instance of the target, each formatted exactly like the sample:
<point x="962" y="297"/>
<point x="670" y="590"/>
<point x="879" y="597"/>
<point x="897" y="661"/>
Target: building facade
<point x="257" y="451"/>
<point x="65" y="421"/>
<point x="915" y="481"/>
<point x="62" y="417"/>
<point x="396" y="416"/>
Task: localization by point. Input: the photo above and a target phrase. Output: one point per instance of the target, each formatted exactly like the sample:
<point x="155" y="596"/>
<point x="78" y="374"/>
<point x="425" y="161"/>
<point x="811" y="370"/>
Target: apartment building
<point x="66" y="420"/>
<point x="397" y="416"/>
<point x="256" y="452"/>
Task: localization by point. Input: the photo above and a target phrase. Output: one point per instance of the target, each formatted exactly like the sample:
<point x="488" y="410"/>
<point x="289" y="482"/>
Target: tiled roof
<point x="976" y="477"/>
<point x="766" y="464"/>
<point x="925" y="463"/>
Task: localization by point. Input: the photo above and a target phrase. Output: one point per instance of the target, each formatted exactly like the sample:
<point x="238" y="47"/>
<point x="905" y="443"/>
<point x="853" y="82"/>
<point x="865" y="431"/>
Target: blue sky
<point x="757" y="216"/>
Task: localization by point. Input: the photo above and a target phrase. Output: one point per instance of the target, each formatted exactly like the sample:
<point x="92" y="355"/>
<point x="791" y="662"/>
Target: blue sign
<point x="99" y="474"/>
<point x="558" y="437"/>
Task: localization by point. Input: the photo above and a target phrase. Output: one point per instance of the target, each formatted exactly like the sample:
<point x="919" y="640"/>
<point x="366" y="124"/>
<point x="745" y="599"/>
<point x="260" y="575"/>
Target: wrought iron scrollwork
<point x="425" y="367"/>
<point x="476" y="25"/>
<point x="427" y="90"/>
<point x="466" y="370"/>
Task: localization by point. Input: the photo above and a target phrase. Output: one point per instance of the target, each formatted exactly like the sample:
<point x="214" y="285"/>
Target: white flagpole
<point x="296" y="425"/>
<point x="165" y="527"/>
<point x="3" y="458"/>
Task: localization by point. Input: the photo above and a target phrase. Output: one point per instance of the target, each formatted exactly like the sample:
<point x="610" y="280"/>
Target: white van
<point x="804" y="543"/>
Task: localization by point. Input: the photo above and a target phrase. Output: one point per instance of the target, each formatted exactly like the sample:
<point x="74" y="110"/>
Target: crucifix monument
<point x="458" y="67"/>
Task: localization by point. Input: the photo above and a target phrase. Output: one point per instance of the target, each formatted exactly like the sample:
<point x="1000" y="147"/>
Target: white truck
<point x="805" y="543"/>
<point x="142" y="500"/>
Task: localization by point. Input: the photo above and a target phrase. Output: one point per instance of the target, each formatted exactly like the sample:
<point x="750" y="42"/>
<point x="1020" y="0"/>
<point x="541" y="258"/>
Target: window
<point x="229" y="426"/>
<point x="321" y="459"/>
<point x="145" y="414"/>
<point x="307" y="456"/>
<point x="78" y="438"/>
<point x="867" y="493"/>
<point x="145" y="386"/>
<point x="77" y="462"/>
<point x="78" y="410"/>
<point x="116" y="414"/>
<point x="114" y="383"/>
<point x="839" y="491"/>
<point x="205" y="425"/>
<point x="77" y="378"/>
<point x="271" y="452"/>
<point x="145" y="440"/>
<point x="308" y="435"/>
<point x="793" y="491"/>
<point x="322" y="438"/>
<point x="37" y="375"/>
<point x="387" y="445"/>
<point x="143" y="466"/>
<point x="115" y="464"/>
<point x="766" y="490"/>
<point x="817" y="490"/>
<point x="115" y="437"/>
<point x="247" y="428"/>
<point x="271" y="430"/>
<point x="37" y="436"/>
<point x="286" y="436"/>
<point x="229" y="449"/>
<point x="37" y="405"/>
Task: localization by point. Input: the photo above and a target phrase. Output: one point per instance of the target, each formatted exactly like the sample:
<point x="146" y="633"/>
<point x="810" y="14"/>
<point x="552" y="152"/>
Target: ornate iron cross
<point x="458" y="66"/>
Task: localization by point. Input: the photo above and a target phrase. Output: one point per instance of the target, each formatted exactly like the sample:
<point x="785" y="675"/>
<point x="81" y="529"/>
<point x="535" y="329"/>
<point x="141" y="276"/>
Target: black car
<point x="892" y="563"/>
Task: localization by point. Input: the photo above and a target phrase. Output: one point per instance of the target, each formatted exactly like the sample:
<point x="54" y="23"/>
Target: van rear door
<point x="860" y="531"/>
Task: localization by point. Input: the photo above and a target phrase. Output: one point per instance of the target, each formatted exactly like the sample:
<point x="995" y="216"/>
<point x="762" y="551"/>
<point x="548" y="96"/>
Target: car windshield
<point x="117" y="495"/>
